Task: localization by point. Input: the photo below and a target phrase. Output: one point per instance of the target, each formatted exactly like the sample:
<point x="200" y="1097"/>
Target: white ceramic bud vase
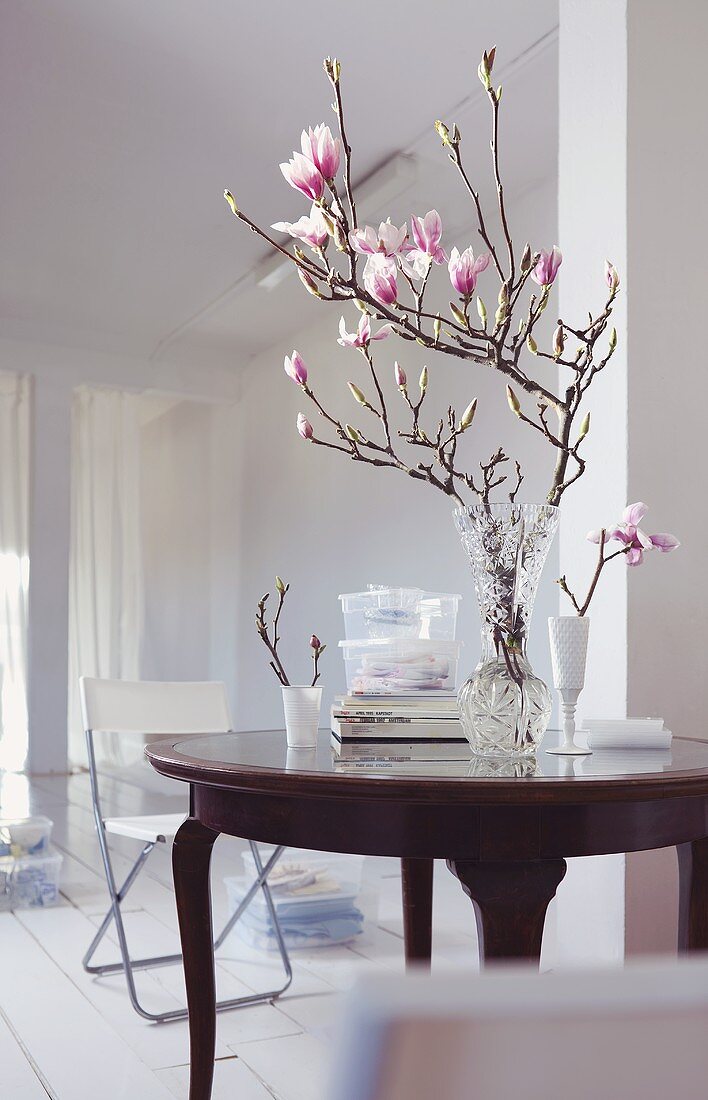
<point x="302" y="715"/>
<point x="569" y="648"/>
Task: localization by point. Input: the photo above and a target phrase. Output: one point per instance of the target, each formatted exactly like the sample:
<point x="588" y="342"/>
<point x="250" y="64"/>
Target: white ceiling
<point x="122" y="121"/>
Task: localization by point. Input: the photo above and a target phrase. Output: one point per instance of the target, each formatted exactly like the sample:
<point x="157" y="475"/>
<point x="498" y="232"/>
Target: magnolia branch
<point x="492" y="345"/>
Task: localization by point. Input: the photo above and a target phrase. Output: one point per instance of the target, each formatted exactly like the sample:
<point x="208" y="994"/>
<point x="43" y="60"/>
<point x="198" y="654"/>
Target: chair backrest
<point x="151" y="706"/>
<point x="637" y="1032"/>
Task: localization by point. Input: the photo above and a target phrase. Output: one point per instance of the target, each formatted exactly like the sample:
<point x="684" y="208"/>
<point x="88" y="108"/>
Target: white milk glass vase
<point x="568" y="636"/>
<point x="504" y="707"/>
<point x="302" y="715"/>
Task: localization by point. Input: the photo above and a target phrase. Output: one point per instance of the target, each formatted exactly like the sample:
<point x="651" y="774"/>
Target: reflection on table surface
<point x="267" y="749"/>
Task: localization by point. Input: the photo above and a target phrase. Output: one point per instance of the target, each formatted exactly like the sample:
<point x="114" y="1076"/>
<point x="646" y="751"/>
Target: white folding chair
<point x="123" y="707"/>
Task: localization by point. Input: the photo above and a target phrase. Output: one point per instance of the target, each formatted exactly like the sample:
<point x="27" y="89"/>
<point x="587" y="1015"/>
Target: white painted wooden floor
<point x="66" y="1035"/>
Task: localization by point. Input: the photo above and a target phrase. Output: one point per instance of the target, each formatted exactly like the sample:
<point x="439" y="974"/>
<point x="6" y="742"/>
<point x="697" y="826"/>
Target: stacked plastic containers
<point x="316" y="897"/>
<point x="400" y="641"/>
<point x="29" y="869"/>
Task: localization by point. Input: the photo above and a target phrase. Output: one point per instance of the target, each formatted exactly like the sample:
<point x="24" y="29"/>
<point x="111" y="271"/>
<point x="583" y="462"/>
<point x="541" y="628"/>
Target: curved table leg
<point x="510" y="902"/>
<point x="191" y="855"/>
<point x="693" y="896"/>
<point x="417" y="883"/>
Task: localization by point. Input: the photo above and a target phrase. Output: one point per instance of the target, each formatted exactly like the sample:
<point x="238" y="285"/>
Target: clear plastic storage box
<point x="25" y="836"/>
<point x="384" y="612"/>
<point x="394" y="666"/>
<point x="315" y="896"/>
<point x="29" y="882"/>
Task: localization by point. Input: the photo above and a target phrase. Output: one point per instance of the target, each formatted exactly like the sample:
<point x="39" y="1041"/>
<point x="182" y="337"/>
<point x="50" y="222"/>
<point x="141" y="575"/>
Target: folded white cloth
<point x="627" y="733"/>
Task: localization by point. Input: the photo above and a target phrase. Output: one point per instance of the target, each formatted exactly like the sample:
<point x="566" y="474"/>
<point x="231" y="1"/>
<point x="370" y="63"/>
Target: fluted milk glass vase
<point x="505" y="708"/>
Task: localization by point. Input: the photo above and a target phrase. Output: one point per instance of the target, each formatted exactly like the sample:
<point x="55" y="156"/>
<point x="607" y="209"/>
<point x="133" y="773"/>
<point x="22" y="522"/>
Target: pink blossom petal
<point x="594" y="536"/>
<point x="643" y="539"/>
<point x="383" y="332"/>
<point x="664" y="542"/>
<point x="635" y="556"/>
<point x="635" y="513"/>
<point x="620" y="534"/>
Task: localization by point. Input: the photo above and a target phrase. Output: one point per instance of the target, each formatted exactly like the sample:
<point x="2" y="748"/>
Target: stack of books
<point x="375" y="728"/>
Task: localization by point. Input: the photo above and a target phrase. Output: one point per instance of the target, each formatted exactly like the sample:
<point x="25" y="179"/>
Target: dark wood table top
<point x="260" y="761"/>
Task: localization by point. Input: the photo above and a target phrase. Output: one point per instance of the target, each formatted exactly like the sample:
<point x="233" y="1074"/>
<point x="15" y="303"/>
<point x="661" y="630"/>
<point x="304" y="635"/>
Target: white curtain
<point x="15" y="404"/>
<point x="106" y="576"/>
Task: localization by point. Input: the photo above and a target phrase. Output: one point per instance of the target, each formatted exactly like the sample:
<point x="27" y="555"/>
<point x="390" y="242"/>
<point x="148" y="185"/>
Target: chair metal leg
<point x="129" y="966"/>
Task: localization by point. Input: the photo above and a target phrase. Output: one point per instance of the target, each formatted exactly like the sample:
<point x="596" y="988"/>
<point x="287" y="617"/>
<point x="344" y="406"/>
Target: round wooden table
<point x="505" y="830"/>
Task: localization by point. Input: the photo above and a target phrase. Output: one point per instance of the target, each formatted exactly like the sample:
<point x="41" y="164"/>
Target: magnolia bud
<point x="558" y="341"/>
<point x="423" y="381"/>
<point x="500" y="314"/>
<point x="482" y="311"/>
<point x="352" y="433"/>
<point x="328" y="220"/>
<point x="611" y="276"/>
<point x="361" y="306"/>
<point x="584" y="427"/>
<point x="315" y="642"/>
<point x="279" y="585"/>
<point x="443" y="132"/>
<point x="503" y="295"/>
<point x="513" y="400"/>
<point x="456" y="135"/>
<point x="613" y="339"/>
<point x="531" y="344"/>
<point x="358" y="395"/>
<point x="304" y="426"/>
<point x="231" y="201"/>
<point x="340" y="238"/>
<point x="468" y="415"/>
<point x="458" y="315"/>
<point x="332" y="68"/>
<point x="526" y="258"/>
<point x="437" y="325"/>
<point x="309" y="284"/>
<point x="499" y="93"/>
<point x="400" y="376"/>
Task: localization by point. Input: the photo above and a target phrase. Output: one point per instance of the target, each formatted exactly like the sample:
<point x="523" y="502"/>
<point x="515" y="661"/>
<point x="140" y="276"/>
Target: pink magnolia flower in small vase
<point x="304" y="427"/>
<point x="312" y="230"/>
<point x="322" y="149"/>
<point x="381" y="279"/>
<point x="387" y="242"/>
<point x="304" y="176"/>
<point x="363" y="334"/>
<point x="547" y="266"/>
<point x="295" y="368"/>
<point x="464" y="269"/>
<point x="631" y="534"/>
<point x="427" y="233"/>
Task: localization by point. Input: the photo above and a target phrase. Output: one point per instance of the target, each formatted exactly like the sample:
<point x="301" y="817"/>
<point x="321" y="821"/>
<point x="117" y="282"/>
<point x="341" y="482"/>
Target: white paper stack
<point x="627" y="733"/>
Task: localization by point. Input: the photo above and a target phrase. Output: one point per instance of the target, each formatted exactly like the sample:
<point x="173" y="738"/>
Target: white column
<point x="592" y="228"/>
<point x="49" y="576"/>
<point x="667" y="249"/>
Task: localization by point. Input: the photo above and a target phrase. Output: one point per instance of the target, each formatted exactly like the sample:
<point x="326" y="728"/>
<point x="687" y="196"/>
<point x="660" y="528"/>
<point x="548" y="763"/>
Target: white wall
<point x="330" y="526"/>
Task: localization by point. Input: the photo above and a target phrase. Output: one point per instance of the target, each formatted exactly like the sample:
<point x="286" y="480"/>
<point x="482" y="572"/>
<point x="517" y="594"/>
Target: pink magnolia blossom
<point x="312" y="230"/>
<point x="611" y="277"/>
<point x="363" y="334"/>
<point x="630" y="533"/>
<point x="464" y="270"/>
<point x="547" y="266"/>
<point x="304" y="176"/>
<point x="426" y="232"/>
<point x="381" y="279"/>
<point x="388" y="242"/>
<point x="322" y="149"/>
<point x="304" y="426"/>
<point x="400" y="375"/>
<point x="295" y="368"/>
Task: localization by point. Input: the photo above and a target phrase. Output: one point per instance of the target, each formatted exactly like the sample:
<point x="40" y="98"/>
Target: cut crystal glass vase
<point x="505" y="708"/>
